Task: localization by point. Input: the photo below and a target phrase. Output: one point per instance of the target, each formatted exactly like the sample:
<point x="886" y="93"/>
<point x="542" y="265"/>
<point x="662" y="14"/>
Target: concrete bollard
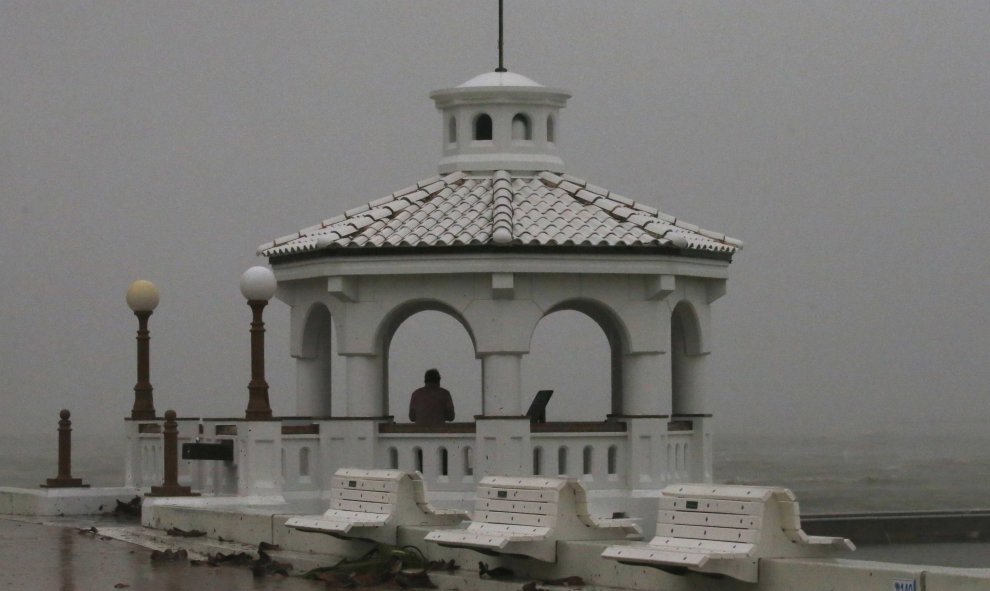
<point x="64" y="478"/>
<point x="170" y="444"/>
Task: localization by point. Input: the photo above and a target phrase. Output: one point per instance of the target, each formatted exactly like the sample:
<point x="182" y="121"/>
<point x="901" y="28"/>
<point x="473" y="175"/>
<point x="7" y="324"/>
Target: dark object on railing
<point x="438" y="429"/>
<point x="579" y="427"/>
<point x="225" y="430"/>
<point x="313" y="429"/>
<point x="64" y="478"/>
<point x="537" y="412"/>
<point x="170" y="445"/>
<point x="221" y="450"/>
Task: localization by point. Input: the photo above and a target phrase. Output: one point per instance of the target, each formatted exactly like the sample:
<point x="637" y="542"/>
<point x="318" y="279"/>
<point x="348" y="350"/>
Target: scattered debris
<point x="499" y="572"/>
<point x="445" y="565"/>
<point x="181" y="533"/>
<point x="130" y="509"/>
<point x="572" y="581"/>
<point x="531" y="586"/>
<point x="406" y="567"/>
<point x="121" y="586"/>
<point x="269" y="547"/>
<point x="89" y="531"/>
<point x="179" y="555"/>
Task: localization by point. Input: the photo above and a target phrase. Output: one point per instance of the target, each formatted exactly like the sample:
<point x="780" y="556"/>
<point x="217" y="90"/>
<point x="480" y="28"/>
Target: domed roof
<point x="499" y="79"/>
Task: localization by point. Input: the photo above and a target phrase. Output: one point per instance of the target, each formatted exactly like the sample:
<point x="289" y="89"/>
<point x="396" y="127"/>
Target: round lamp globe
<point x="142" y="296"/>
<point x="258" y="284"/>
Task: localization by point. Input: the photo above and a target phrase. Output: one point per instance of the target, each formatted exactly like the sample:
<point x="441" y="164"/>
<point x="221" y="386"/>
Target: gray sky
<point x="846" y="142"/>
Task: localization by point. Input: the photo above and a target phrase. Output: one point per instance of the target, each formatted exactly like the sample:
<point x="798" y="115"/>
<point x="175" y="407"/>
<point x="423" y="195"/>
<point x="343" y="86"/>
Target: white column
<point x="646" y="386"/>
<point x="313" y="387"/>
<point x="501" y="384"/>
<point x="259" y="458"/>
<point x="365" y="383"/>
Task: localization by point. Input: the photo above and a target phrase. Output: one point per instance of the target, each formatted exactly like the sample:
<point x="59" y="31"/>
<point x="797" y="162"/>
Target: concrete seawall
<point x="910" y="527"/>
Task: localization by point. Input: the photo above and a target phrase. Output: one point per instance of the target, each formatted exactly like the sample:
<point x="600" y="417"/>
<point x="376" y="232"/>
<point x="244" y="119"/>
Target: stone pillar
<point x="502" y="384"/>
<point x="503" y="447"/>
<point x="170" y="486"/>
<point x="259" y="458"/>
<point x="365" y="386"/>
<point x="313" y="386"/>
<point x="690" y="383"/>
<point x="646" y="384"/>
<point x="347" y="443"/>
<point x="64" y="478"/>
<point x="647" y="453"/>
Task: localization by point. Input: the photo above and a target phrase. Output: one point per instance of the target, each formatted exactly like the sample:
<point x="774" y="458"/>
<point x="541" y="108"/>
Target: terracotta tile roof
<point x="542" y="210"/>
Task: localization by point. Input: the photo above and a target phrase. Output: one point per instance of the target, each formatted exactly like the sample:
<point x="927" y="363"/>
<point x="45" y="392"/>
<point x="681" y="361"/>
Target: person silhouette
<point x="431" y="405"/>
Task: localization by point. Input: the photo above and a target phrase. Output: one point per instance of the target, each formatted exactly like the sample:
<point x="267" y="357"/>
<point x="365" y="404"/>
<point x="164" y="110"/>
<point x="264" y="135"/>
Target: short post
<point x="142" y="297"/>
<point x="170" y="441"/>
<point x="64" y="478"/>
<point x="258" y="286"/>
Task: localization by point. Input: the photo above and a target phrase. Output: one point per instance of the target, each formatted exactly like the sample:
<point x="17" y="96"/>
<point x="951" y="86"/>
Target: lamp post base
<point x="64" y="483"/>
<point x="171" y="491"/>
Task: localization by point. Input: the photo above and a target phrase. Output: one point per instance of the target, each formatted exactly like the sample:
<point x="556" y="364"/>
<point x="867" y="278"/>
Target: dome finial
<point x="501" y="63"/>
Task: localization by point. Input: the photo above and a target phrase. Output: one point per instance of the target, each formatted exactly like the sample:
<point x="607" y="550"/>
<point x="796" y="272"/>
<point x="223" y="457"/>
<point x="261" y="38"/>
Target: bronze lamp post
<point x="142" y="297"/>
<point x="258" y="286"/>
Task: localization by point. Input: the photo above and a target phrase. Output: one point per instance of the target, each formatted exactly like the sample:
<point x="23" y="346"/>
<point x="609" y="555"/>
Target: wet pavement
<point x="34" y="557"/>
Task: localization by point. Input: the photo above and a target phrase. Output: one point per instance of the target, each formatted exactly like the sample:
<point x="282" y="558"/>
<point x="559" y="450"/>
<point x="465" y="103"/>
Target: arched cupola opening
<point x="483" y="127"/>
<point x="551" y="131"/>
<point x="686" y="361"/>
<point x="424" y="335"/>
<point x="576" y="350"/>
<point x="522" y="128"/>
<point x="314" y="367"/>
<point x="452" y="130"/>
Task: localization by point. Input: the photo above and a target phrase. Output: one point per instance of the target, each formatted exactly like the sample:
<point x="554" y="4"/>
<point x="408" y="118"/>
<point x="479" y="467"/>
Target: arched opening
<point x="522" y="129"/>
<point x="393" y="458"/>
<point x="586" y="458"/>
<point x="304" y="462"/>
<point x="314" y="375"/>
<point x="468" y="463"/>
<point x="418" y="459"/>
<point x="442" y="460"/>
<point x="576" y="351"/>
<point x="483" y="127"/>
<point x="537" y="461"/>
<point x="551" y="132"/>
<point x="425" y="336"/>
<point x="686" y="361"/>
<point x="613" y="460"/>
<point x="452" y="130"/>
<point x="562" y="461"/>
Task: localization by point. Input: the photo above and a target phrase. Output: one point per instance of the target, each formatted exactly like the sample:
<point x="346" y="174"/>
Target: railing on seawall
<point x="300" y="454"/>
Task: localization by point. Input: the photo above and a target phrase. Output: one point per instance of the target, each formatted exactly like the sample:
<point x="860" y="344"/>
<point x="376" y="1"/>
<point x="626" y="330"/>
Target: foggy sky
<point x="847" y="143"/>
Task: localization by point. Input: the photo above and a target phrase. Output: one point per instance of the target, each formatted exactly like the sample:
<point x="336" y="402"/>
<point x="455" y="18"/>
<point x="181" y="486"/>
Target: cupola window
<point x="521" y="128"/>
<point x="483" y="127"/>
<point x="452" y="131"/>
<point x="550" y="130"/>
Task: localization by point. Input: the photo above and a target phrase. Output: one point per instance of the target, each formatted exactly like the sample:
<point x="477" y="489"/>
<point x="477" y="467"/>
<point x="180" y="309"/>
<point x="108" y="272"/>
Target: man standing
<point x="431" y="405"/>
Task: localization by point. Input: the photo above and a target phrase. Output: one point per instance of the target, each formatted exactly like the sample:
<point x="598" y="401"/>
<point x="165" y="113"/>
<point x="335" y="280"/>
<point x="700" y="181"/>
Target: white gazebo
<point x="501" y="238"/>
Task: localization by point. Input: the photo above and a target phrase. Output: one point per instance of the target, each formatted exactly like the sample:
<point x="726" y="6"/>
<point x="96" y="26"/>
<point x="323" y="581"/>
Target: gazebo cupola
<point x="500" y="121"/>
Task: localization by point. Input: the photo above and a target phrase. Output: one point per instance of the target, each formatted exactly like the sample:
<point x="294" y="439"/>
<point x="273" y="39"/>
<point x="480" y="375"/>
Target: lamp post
<point x="258" y="286"/>
<point x="142" y="297"/>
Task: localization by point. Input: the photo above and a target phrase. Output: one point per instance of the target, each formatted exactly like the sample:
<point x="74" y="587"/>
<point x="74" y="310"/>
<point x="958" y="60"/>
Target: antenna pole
<point x="501" y="63"/>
